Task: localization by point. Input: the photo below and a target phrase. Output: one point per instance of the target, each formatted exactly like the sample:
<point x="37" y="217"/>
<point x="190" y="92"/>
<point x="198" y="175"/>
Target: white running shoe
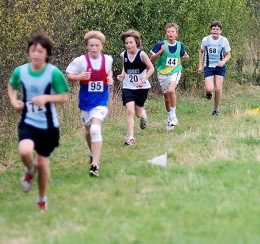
<point x="129" y="141"/>
<point x="171" y="123"/>
<point x="27" y="180"/>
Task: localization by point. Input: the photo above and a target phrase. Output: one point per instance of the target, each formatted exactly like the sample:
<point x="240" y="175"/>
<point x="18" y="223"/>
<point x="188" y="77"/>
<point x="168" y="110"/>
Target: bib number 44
<point x="171" y="61"/>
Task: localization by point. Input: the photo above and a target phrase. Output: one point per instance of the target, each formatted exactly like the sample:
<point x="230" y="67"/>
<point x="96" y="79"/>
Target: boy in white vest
<point x="214" y="53"/>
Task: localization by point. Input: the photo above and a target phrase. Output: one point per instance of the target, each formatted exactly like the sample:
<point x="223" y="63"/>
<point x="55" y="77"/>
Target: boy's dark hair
<point x="44" y="40"/>
<point x="132" y="33"/>
<point x="216" y="24"/>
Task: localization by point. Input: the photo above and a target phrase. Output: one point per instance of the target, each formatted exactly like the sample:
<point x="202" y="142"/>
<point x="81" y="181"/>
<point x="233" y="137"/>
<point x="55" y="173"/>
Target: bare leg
<point x="139" y="111"/>
<point x="209" y="84"/>
<point x="130" y="112"/>
<point x="87" y="136"/>
<point x="96" y="146"/>
<point x="170" y="97"/>
<point x="43" y="174"/>
<point x="218" y="90"/>
<point x="25" y="149"/>
<point x="172" y="92"/>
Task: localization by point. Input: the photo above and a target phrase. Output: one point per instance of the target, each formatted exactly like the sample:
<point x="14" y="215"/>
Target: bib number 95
<point x="96" y="86"/>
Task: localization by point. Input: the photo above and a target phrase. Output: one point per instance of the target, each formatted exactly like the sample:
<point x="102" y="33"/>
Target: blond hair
<point x="132" y="33"/>
<point x="169" y="25"/>
<point x="96" y="35"/>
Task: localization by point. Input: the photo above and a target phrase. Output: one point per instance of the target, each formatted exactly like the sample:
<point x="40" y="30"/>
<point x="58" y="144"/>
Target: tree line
<point x="67" y="21"/>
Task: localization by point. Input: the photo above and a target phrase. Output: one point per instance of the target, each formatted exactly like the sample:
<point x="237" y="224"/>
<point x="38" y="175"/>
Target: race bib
<point x="96" y="86"/>
<point x="132" y="78"/>
<point x="171" y="61"/>
<point x="32" y="108"/>
<point x="212" y="50"/>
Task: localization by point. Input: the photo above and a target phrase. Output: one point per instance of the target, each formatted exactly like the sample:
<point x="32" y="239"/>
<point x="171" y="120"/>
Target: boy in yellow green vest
<point x="168" y="54"/>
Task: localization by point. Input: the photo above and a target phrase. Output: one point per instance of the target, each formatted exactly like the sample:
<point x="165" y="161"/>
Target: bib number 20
<point x="133" y="78"/>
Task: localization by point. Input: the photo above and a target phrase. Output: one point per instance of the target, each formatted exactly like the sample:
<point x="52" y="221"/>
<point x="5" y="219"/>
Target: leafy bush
<point x="67" y="22"/>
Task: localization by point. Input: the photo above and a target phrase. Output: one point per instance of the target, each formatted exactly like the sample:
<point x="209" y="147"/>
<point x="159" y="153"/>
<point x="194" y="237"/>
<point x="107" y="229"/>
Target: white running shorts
<point x="165" y="80"/>
<point x="99" y="112"/>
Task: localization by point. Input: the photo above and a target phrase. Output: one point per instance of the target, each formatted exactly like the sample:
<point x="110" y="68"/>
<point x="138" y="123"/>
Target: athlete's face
<point x="130" y="44"/>
<point x="94" y="47"/>
<point x="171" y="34"/>
<point x="38" y="56"/>
<point x="215" y="32"/>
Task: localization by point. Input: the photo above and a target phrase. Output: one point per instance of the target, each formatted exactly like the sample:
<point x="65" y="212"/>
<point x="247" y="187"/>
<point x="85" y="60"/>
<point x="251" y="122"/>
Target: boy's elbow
<point x="69" y="77"/>
<point x="152" y="58"/>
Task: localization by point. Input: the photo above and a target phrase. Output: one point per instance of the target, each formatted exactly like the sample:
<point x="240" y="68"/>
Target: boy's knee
<point x="130" y="112"/>
<point x="171" y="92"/>
<point x="95" y="133"/>
<point x="25" y="152"/>
<point x="218" y="89"/>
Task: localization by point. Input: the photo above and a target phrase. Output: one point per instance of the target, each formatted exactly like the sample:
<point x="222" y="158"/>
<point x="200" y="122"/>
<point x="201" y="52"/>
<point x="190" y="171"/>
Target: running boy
<point x="136" y="71"/>
<point x="43" y="85"/>
<point x="168" y="54"/>
<point x="215" y="51"/>
<point x="94" y="72"/>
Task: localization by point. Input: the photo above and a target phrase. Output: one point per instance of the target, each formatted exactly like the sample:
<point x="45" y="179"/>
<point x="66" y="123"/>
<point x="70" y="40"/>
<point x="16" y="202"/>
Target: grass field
<point x="208" y="193"/>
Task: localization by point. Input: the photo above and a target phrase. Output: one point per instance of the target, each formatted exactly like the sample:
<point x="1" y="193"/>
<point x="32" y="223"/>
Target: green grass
<point x="208" y="193"/>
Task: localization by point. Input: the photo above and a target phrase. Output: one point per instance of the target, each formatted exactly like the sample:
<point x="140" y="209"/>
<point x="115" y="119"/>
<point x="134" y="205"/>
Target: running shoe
<point x="90" y="159"/>
<point x="171" y="123"/>
<point x="27" y="180"/>
<point x="94" y="170"/>
<point x="129" y="141"/>
<point x="42" y="205"/>
<point x="215" y="113"/>
<point x="208" y="95"/>
<point x="143" y="121"/>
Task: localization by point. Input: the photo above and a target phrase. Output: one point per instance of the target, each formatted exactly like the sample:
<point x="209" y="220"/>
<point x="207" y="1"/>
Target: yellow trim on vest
<point x="167" y="70"/>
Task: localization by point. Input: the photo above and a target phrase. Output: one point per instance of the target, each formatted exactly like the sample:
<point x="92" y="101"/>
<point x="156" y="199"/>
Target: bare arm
<point x="156" y="55"/>
<point x="85" y="75"/>
<point x="149" y="68"/>
<point x="12" y="94"/>
<point x="225" y="60"/>
<point x="149" y="65"/>
<point x="54" y="98"/>
<point x="110" y="80"/>
<point x="186" y="57"/>
<point x="122" y="75"/>
<point x="201" y="56"/>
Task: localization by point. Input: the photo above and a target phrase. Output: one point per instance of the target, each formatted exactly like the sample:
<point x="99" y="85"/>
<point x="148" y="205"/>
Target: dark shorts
<point x="139" y="96"/>
<point x="212" y="71"/>
<point x="45" y="141"/>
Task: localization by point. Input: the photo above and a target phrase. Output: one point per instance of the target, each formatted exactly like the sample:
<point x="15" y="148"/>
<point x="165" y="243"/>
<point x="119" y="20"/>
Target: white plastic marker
<point x="159" y="160"/>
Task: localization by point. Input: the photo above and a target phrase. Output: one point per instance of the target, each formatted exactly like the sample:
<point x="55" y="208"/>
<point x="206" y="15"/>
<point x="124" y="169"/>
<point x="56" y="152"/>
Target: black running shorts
<point x="45" y="141"/>
<point x="138" y="96"/>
